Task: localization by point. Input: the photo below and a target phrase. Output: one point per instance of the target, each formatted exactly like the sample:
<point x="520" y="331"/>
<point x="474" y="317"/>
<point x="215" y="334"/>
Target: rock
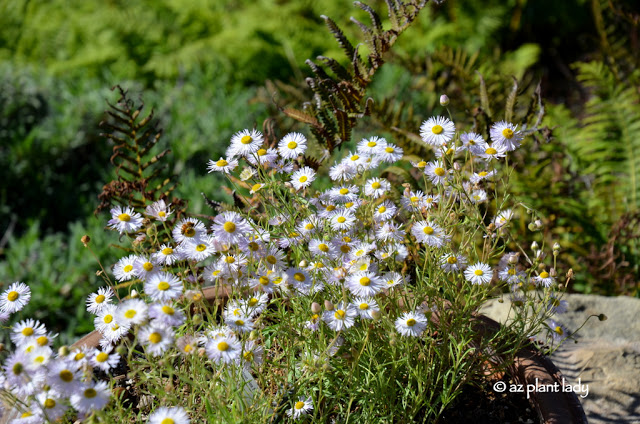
<point x="606" y="357"/>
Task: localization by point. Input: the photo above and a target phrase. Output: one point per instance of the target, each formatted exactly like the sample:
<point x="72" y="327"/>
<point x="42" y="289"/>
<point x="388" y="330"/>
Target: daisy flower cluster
<point x="314" y="277"/>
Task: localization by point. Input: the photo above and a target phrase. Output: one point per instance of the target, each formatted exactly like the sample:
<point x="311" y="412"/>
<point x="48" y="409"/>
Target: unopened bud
<point x="64" y="351"/>
<point x="376" y="314"/>
<point x="540" y="255"/>
<point x="201" y="351"/>
<point x="602" y="317"/>
<point x="513" y="258"/>
<point x="85" y="240"/>
<point x="303" y="264"/>
<point x="457" y="166"/>
<point x="539" y="224"/>
<point x="196" y="319"/>
<point x="152" y="231"/>
<point x="328" y="305"/>
<point x="531" y="226"/>
<point x="253" y="335"/>
<point x="134" y="294"/>
<point x="552" y="272"/>
<point x="556" y="246"/>
<point x="121" y="350"/>
<point x="316" y="308"/>
<point x="534" y="246"/>
<point x="444" y="100"/>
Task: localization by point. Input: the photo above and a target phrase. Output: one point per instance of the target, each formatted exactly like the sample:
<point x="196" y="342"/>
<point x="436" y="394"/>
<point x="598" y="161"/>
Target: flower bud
<point x="328" y="305"/>
<point x="539" y="224"/>
<point x="531" y="226"/>
<point x="602" y="317"/>
<point x="376" y="314"/>
<point x="196" y="319"/>
<point x="64" y="351"/>
<point x="457" y="166"/>
<point x="534" y="246"/>
<point x="540" y="255"/>
<point x="121" y="350"/>
<point x="303" y="264"/>
<point x="253" y="335"/>
<point x="134" y="294"/>
<point x="152" y="231"/>
<point x="85" y="240"/>
<point x="552" y="272"/>
<point x="513" y="258"/>
<point x="316" y="308"/>
<point x="444" y="100"/>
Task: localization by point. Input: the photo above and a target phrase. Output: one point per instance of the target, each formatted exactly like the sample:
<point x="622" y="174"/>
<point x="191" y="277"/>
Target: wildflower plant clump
<point x="355" y="300"/>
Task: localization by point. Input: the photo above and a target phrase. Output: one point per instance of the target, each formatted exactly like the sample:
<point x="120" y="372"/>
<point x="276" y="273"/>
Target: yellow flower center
<point x="13" y="296"/>
<point x="340" y="314"/>
<point x="478" y="272"/>
<point x="155" y="338"/>
<point x="345" y="248"/>
<point x="376" y="185"/>
<point x="323" y="247"/>
<point x="148" y="266"/>
<point x="42" y="340"/>
<point x="223" y="346"/>
<point x="292" y="145"/>
<point x="483" y="173"/>
<point x="163" y="286"/>
<point x="17" y="368"/>
<point x="66" y="376"/>
<point x="190" y="232"/>
<point x="428" y="230"/>
<point x="330" y="208"/>
<point x="491" y="151"/>
<point x="544" y="274"/>
<point x="452" y="260"/>
<point x="256" y="187"/>
<point x="299" y="405"/>
<point x="239" y="322"/>
<point x="130" y="313"/>
<point x="341" y="219"/>
<point x="162" y="214"/>
<point x="102" y="357"/>
<point x="49" y="403"/>
<point x="253" y="302"/>
<point x="422" y="164"/>
<point x="28" y="331"/>
<point x="107" y="319"/>
<point x="365" y="281"/>
<point x="246" y="139"/>
<point x="364" y="306"/>
<point x="372" y="144"/>
<point x="439" y="172"/>
<point x="303" y="179"/>
<point x="90" y="393"/>
<point x="124" y="217"/>
<point x="222" y="163"/>
<point x="167" y="251"/>
<point x="559" y="330"/>
<point x="127" y="268"/>
<point x="355" y="158"/>
<point x="262" y="152"/>
<point x="507" y="133"/>
<point x="512" y="271"/>
<point x="411" y="322"/>
<point x="187" y="348"/>
<point x="101" y="298"/>
<point x="79" y="356"/>
<point x="201" y="248"/>
<point x="263" y="280"/>
<point x="388" y="149"/>
<point x="271" y="259"/>
<point x="229" y="227"/>
<point x="298" y="276"/>
<point x="230" y="259"/>
<point x="168" y="310"/>
<point x="344" y="191"/>
<point x="382" y="209"/>
<point x="414" y="199"/>
<point x="437" y="129"/>
<point x="168" y="421"/>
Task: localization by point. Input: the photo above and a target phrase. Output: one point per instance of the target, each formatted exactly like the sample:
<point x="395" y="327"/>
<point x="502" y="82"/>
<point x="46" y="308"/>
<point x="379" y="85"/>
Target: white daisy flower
<point x="558" y="331"/>
<point x="245" y="143"/>
<point x="225" y="349"/>
<point x="230" y="227"/>
<point x="412" y="200"/>
<point x="364" y="284"/>
<point x="145" y="267"/>
<point x="188" y="229"/>
<point x="436" y="172"/>
<point x="27" y="331"/>
<point x="390" y="153"/>
<point x="342" y="220"/>
<point x="263" y="157"/>
<point x="197" y="250"/>
<point x="239" y="324"/>
<point x="429" y="233"/>
<point x="385" y="211"/>
<point x="392" y="279"/>
<point x="159" y="210"/>
<point x="123" y="269"/>
<point x="478" y="273"/>
<point x="390" y="231"/>
<point x="303" y="178"/>
<point x="341" y="317"/>
<point x="471" y="139"/>
<point x="322" y="248"/>
<point x="544" y="279"/>
<point x="478" y="196"/>
<point x="166" y="314"/>
<point x="506" y="135"/>
<point x="343" y="194"/>
<point x="97" y="301"/>
<point x="125" y="220"/>
<point x="274" y="258"/>
<point x="371" y="146"/>
<point x="52" y="407"/>
<point x="355" y="159"/>
<point x="163" y="286"/>
<point x="487" y="152"/>
<point x="482" y="175"/>
<point x="156" y="338"/>
<point x="252" y="354"/>
<point x="448" y="152"/>
<point x="283" y="167"/>
<point x="343" y="171"/>
<point x="511" y="275"/>
<point x="376" y="187"/>
<point x="292" y="145"/>
<point x="503" y="218"/>
<point x="556" y="305"/>
<point x="132" y="312"/>
<point x="19" y="377"/>
<point x="93" y="396"/>
<point x="104" y="359"/>
<point x="174" y="415"/>
<point x="166" y="255"/>
<point x="39" y="357"/>
<point x="437" y="131"/>
<point x="64" y="376"/>
<point x="452" y="263"/>
<point x="411" y="324"/>
<point x="15" y="298"/>
<point x="187" y="344"/>
<point x="301" y="408"/>
<point x="365" y="306"/>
